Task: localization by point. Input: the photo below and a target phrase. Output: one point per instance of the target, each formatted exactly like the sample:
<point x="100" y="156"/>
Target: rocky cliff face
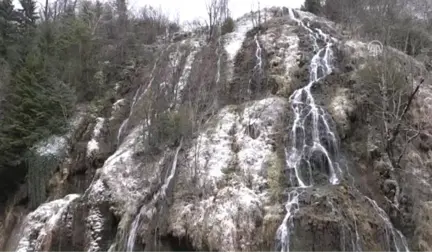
<point x="284" y="157"/>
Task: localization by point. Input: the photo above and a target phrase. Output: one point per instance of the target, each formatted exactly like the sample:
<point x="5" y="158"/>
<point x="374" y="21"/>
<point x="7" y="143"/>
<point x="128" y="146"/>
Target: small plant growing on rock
<point x="228" y="26"/>
<point x="168" y="127"/>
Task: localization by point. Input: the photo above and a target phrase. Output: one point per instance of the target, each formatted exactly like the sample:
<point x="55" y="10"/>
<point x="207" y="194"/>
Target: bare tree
<point x="394" y="84"/>
<point x="217" y="12"/>
<point x="197" y="25"/>
<point x="255" y="16"/>
<point x="397" y="88"/>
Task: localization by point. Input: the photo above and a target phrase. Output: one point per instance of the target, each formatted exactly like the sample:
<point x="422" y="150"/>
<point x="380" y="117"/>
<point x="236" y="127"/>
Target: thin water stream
<point x="149" y="207"/>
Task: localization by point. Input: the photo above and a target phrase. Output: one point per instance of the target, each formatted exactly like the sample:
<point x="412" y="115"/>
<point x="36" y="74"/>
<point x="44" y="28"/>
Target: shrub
<point x="313" y="6"/>
<point x="168" y="128"/>
<point x="227" y="26"/>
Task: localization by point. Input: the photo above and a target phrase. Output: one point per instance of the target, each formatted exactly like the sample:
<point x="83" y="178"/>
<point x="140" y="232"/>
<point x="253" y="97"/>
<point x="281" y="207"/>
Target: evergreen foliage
<point x="313" y="6"/>
<point x="9" y="33"/>
<point x="52" y="58"/>
<point x="227" y="26"/>
<point x="40" y="169"/>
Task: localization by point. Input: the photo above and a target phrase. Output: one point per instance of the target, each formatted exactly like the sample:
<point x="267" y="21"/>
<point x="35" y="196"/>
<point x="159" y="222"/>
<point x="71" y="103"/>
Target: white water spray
<point x="283" y="232"/>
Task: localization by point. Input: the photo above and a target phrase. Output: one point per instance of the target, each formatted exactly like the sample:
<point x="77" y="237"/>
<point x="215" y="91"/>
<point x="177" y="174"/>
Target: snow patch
<point x="93" y="145"/>
<point x="225" y="217"/>
<point x="234" y="40"/>
<point x="225" y="221"/>
<point x="341" y="106"/>
<point x="94" y="223"/>
<point x="360" y="48"/>
<point x="187" y="70"/>
<point x="40" y="223"/>
<point x="54" y="145"/>
<point x="254" y="139"/>
<point x="121" y="174"/>
<point x="285" y="48"/>
<point x="212" y="152"/>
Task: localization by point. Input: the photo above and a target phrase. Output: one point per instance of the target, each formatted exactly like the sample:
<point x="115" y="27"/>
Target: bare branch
<point x="407" y="106"/>
<point x="405" y="147"/>
<point x="217" y="12"/>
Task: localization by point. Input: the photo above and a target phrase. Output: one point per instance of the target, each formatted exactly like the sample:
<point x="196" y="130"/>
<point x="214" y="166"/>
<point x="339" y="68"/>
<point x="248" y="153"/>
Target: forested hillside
<point x="402" y="24"/>
<point x="58" y="56"/>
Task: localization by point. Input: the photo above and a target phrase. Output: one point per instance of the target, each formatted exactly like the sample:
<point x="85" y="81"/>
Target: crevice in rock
<point x="166" y="242"/>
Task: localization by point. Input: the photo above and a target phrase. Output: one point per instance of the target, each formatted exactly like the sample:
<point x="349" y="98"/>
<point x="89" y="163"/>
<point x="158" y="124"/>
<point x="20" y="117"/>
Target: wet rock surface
<point x="333" y="218"/>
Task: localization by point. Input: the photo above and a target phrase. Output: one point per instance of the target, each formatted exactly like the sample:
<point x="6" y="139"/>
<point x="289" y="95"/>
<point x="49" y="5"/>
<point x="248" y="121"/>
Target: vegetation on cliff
<point x="402" y="24"/>
<point x="53" y="60"/>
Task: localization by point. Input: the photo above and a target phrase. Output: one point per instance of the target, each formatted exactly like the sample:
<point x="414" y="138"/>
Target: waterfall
<point x="283" y="232"/>
<point x="149" y="208"/>
<point x="311" y="132"/>
<point x="132" y="233"/>
<point x="258" y="66"/>
<point x="315" y="147"/>
<point x="258" y="54"/>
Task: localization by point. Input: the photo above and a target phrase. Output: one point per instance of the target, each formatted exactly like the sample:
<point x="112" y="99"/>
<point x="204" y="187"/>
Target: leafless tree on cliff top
<point x="217" y="12"/>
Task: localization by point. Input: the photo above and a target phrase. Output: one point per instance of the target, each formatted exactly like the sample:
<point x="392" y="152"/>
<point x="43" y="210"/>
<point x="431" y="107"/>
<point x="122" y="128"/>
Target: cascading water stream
<point x="134" y="101"/>
<point x="311" y="132"/>
<point x="257" y="70"/>
<point x="130" y="244"/>
<point x="136" y="97"/>
<point x="399" y="240"/>
<point x="218" y="64"/>
<point x="315" y="147"/>
<point x="258" y="54"/>
<point x="147" y="208"/>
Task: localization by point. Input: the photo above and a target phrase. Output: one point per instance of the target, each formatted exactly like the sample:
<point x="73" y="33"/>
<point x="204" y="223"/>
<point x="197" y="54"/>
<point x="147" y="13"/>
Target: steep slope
<point x="274" y="154"/>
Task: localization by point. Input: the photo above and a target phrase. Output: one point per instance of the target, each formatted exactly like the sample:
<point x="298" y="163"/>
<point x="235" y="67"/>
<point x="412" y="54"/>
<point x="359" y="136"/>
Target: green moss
<point x="275" y="177"/>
